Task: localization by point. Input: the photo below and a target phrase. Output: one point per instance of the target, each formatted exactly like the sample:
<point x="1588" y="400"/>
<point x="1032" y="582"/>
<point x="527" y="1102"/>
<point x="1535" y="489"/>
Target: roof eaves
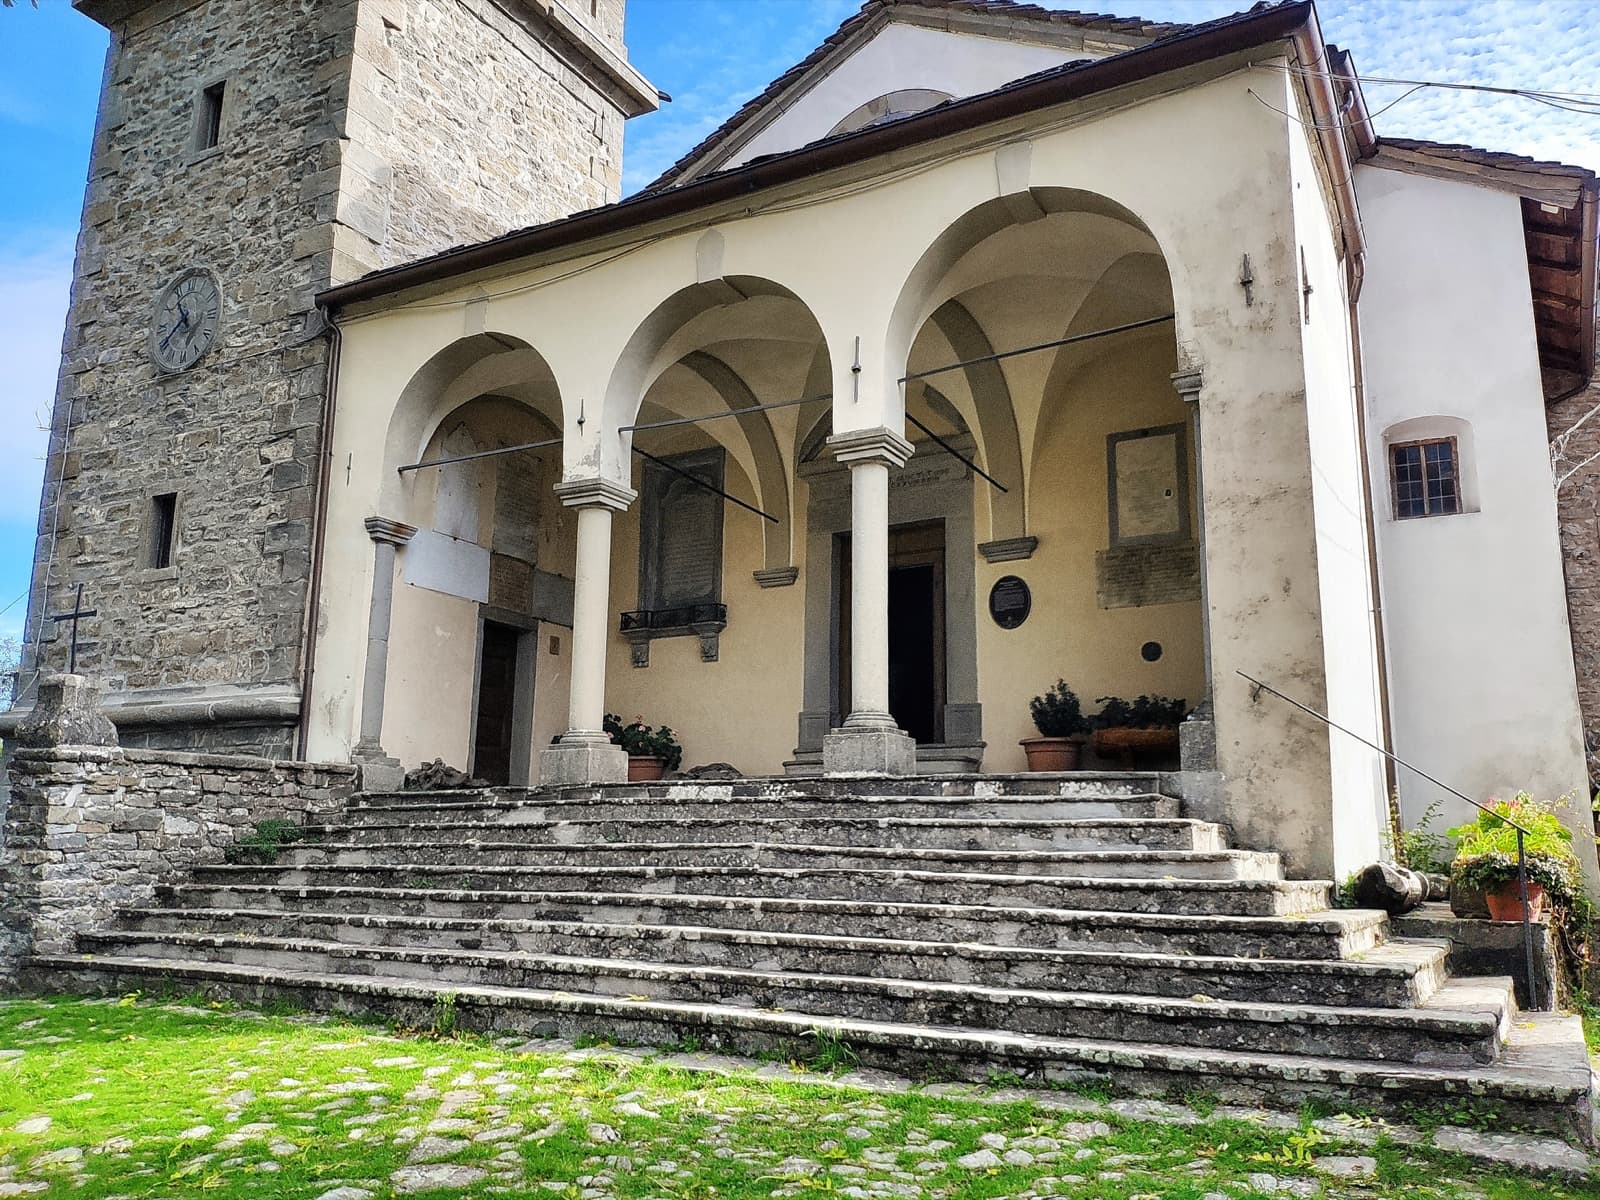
<point x="1058" y="85"/>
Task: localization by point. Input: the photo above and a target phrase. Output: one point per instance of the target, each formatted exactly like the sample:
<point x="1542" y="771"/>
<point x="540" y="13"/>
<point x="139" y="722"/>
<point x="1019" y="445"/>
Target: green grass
<point x="177" y="1099"/>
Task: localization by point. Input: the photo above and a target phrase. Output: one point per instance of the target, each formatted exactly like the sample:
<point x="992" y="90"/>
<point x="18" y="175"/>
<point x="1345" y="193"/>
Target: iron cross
<point x="78" y="611"/>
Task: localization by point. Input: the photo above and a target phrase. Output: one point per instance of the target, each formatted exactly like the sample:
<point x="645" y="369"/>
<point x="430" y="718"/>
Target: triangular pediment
<point x="897" y="57"/>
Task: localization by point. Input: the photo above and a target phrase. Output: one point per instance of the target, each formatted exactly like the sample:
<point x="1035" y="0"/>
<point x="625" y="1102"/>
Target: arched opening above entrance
<point x="1020" y="313"/>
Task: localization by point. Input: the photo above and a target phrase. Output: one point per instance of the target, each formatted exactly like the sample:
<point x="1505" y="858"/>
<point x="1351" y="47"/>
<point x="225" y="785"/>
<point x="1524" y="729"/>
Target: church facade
<point x="989" y="346"/>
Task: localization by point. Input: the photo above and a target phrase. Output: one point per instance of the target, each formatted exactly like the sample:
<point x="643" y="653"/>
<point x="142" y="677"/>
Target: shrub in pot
<point x="1129" y="729"/>
<point x="652" y="751"/>
<point x="1058" y="716"/>
<point x="1486" y="858"/>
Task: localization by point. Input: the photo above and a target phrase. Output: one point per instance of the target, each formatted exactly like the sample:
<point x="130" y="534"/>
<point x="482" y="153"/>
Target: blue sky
<point x="711" y="55"/>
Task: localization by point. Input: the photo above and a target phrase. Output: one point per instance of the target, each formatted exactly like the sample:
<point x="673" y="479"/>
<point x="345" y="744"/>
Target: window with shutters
<point x="680" y="553"/>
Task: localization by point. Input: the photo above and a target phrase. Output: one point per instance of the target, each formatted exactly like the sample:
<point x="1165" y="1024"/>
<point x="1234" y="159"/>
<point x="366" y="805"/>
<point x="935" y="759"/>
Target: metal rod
<point x="1066" y="341"/>
<point x="732" y="412"/>
<point x="949" y="449"/>
<point x="1522" y="861"/>
<point x="1395" y="758"/>
<point x="1527" y="921"/>
<point x="439" y="462"/>
<point x="702" y="483"/>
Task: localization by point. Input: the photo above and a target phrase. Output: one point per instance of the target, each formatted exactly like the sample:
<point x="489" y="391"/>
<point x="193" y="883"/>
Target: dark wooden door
<point x="916" y="629"/>
<point x="497" y="690"/>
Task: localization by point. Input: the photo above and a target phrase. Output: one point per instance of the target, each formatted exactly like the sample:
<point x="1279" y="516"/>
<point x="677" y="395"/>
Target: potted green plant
<point x="1486" y="858"/>
<point x="1127" y="729"/>
<point x="652" y="751"/>
<point x="1058" y="716"/>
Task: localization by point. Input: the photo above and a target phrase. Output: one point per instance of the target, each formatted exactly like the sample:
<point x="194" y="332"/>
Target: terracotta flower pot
<point x="1134" y="743"/>
<point x="645" y="768"/>
<point x="1505" y="902"/>
<point x="1053" y="753"/>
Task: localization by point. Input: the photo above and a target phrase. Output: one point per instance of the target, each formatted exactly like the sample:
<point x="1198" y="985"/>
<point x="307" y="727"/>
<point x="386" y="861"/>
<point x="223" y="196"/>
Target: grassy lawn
<point x="143" y="1098"/>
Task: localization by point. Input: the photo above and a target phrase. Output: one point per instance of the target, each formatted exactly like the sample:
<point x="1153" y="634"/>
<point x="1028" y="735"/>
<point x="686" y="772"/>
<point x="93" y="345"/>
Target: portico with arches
<point x="878" y="380"/>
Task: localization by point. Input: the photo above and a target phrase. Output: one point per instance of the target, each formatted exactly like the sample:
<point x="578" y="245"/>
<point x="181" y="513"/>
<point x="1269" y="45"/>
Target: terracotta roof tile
<point x="1477" y="156"/>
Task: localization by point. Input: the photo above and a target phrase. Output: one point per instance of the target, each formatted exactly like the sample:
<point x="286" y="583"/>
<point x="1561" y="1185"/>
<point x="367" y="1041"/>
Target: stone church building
<point x="989" y="345"/>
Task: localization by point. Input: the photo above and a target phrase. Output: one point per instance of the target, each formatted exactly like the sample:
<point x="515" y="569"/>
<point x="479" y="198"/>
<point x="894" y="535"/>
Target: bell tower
<point x="247" y="156"/>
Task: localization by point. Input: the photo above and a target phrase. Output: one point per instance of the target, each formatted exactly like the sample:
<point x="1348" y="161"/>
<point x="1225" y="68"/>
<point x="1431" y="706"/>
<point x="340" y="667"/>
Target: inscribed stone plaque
<point x="1010" y="601"/>
<point x="681" y="532"/>
<point x="1136" y="576"/>
<point x="1148" y="484"/>
<point x="510" y="583"/>
<point x="516" y="507"/>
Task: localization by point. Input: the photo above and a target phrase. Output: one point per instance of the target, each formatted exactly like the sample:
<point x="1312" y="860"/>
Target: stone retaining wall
<point x="88" y="829"/>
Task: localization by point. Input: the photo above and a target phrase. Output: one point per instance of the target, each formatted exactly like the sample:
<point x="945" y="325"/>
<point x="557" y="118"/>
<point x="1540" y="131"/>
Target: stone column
<point x="869" y="742"/>
<point x="1197" y="737"/>
<point x="585" y="754"/>
<point x="379" y="772"/>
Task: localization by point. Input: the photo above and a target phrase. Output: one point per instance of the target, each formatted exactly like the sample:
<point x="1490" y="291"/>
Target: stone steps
<point x="1059" y="927"/>
<point x="1541" y="1081"/>
<point x="1229" y="897"/>
<point x="1389" y="976"/>
<point x="1462" y="1024"/>
<point x="1320" y="936"/>
<point x="912" y="833"/>
<point x="513" y="808"/>
<point x="1126" y="864"/>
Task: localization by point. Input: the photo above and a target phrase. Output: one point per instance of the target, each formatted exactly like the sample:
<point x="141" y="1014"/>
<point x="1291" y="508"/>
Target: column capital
<point x="870" y="445"/>
<point x="1187" y="384"/>
<point x="595" y="493"/>
<point x="387" y="529"/>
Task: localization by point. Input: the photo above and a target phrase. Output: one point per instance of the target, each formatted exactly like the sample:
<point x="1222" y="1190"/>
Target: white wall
<point x="902" y="57"/>
<point x="1344" y="575"/>
<point x="1482" y="688"/>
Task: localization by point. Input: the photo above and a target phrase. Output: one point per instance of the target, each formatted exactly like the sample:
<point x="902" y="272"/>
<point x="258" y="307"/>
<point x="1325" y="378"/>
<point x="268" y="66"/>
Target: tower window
<point x="209" y="130"/>
<point x="163" y="529"/>
<point x="1426" y="482"/>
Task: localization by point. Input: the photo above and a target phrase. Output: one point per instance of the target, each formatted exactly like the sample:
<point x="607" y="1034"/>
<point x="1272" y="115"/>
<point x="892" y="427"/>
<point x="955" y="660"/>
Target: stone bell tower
<point x="248" y="155"/>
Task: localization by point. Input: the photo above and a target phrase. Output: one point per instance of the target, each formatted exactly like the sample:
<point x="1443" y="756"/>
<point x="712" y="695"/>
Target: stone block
<point x="572" y="764"/>
<point x="869" y="750"/>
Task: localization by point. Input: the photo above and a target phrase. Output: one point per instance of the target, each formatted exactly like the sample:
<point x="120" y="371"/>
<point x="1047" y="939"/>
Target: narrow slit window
<point x="211" y="116"/>
<point x="1426" y="481"/>
<point x="163" y="528"/>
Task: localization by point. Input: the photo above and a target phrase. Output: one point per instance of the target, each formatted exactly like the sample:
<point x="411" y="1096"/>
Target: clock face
<point x="188" y="312"/>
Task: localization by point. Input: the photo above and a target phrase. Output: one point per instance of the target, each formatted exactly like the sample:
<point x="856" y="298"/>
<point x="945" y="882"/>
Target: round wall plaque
<point x="1010" y="602"/>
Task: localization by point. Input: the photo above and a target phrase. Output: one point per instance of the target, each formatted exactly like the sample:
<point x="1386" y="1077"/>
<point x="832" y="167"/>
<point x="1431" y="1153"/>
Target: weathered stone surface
<point x="716" y="770"/>
<point x="353" y="136"/>
<point x="439" y="774"/>
<point x="1392" y="888"/>
<point x="89" y="828"/>
<point x="67" y="713"/>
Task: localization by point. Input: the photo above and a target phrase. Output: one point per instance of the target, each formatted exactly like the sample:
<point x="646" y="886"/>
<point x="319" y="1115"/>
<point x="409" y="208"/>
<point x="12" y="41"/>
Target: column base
<point x="869" y="750"/>
<point x="379" y="772"/>
<point x="577" y="761"/>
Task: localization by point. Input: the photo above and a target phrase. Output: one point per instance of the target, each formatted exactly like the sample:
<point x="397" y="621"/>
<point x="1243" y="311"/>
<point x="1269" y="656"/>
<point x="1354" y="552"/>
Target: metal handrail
<point x="1522" y="832"/>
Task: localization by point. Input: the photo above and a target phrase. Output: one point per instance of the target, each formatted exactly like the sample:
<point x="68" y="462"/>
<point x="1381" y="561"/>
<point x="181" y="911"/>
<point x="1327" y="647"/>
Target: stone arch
<point x="489" y="363"/>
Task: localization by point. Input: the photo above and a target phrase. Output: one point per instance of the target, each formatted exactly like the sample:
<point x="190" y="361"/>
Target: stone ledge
<point x="180" y="758"/>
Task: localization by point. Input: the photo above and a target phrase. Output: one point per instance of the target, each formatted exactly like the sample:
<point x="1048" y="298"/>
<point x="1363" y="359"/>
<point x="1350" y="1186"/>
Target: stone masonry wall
<point x="89" y="829"/>
<point x="464" y="123"/>
<point x="1578" y="508"/>
<point x="355" y="134"/>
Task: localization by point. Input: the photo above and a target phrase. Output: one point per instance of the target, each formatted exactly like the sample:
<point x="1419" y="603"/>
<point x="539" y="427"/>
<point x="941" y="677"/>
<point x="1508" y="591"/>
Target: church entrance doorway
<point x="916" y="628"/>
<point x="497" y="690"/>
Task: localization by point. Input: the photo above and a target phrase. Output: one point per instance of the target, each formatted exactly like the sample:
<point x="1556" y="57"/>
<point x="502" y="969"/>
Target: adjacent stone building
<point x="248" y="155"/>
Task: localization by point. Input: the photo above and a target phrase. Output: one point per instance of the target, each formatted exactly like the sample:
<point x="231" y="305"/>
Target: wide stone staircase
<point x="1064" y="929"/>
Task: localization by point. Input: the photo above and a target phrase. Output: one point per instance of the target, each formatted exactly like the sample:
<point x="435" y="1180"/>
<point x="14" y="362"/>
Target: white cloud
<point x="35" y="285"/>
